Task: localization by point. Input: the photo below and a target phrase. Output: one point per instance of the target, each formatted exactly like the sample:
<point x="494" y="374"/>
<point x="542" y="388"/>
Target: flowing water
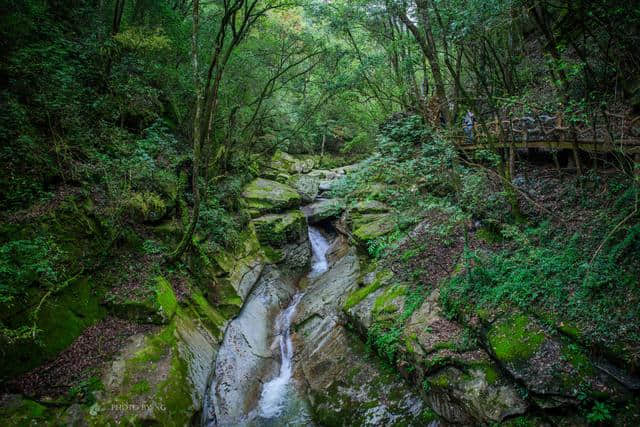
<point x="319" y="247"/>
<point x="275" y="394"/>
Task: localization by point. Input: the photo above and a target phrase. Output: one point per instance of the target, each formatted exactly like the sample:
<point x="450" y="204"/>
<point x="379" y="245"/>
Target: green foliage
<point x="24" y="263"/>
<point x="600" y="413"/>
<point x="385" y="335"/>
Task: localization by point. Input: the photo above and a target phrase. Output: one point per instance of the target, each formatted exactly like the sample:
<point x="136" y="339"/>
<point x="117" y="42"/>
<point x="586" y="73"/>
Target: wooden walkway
<point x="604" y="133"/>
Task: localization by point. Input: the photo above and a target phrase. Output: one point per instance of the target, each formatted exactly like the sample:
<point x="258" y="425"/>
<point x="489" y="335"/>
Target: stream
<point x="279" y="402"/>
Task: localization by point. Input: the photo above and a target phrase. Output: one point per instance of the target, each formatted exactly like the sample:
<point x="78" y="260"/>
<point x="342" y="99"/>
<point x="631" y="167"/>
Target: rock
<point x="323" y="210"/>
<point x="322" y="174"/>
<point x="369" y="207"/>
<point x="287" y="163"/>
<point x="325" y="185"/>
<point x="345" y="386"/>
<point x="155" y="303"/>
<point x="551" y="367"/>
<point x="368" y="227"/>
<point x="158" y="378"/>
<point x="246" y="355"/>
<point x="307" y="186"/>
<point x="459" y="380"/>
<point x="276" y="230"/>
<point x="262" y="196"/>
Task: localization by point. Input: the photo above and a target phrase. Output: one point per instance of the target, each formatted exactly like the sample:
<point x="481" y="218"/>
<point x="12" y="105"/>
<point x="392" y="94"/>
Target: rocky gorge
<point x="307" y="329"/>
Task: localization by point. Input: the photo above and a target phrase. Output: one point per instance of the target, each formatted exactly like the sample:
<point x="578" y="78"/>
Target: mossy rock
<point x="155" y="303"/>
<point x="276" y="230"/>
<point x="147" y="207"/>
<point x="323" y="210"/>
<point x="371" y="226"/>
<point x="369" y="207"/>
<point x="515" y="338"/>
<point x="307" y="186"/>
<point x="262" y="196"/>
<point x="380" y="279"/>
<point x="17" y="411"/>
<point x="147" y="383"/>
<point x="287" y="163"/>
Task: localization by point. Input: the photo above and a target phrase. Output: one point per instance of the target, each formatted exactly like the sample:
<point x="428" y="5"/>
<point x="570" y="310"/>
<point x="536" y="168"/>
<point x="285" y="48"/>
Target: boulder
<point x="370" y="226"/>
<point x="552" y="368"/>
<point x="262" y="196"/>
<point x="369" y="207"/>
<point x="323" y="209"/>
<point x="287" y="163"/>
<point x="307" y="186"/>
<point x="158" y="378"/>
<point x="346" y="386"/>
<point x="276" y="230"/>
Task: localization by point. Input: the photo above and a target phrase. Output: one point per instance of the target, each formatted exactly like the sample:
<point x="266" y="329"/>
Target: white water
<point x="274" y="393"/>
<point x="319" y="248"/>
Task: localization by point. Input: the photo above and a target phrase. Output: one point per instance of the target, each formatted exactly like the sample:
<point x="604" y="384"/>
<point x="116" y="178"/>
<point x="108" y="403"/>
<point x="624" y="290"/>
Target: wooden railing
<point x="605" y="132"/>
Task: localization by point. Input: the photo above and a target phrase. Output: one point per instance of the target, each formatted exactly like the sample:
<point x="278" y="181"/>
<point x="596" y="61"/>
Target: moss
<point x="357" y="296"/>
<point x="23" y="412"/>
<point x="141" y="387"/>
<point x="262" y="196"/>
<point x="441" y="381"/>
<point x="513" y="340"/>
<point x="384" y="302"/>
<point x="570" y="330"/>
<point x="212" y="319"/>
<point x="61" y="320"/>
<point x="147" y="207"/>
<point x="274" y="256"/>
<point x="166" y="298"/>
<point x="278" y="229"/>
<point x="368" y="227"/>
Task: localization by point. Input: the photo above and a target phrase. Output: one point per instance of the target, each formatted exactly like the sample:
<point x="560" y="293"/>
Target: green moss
<point x="279" y="229"/>
<point x="384" y="302"/>
<point x="570" y="330"/>
<point x="62" y="319"/>
<point x="23" y="412"/>
<point x="166" y="298"/>
<point x="441" y="381"/>
<point x="273" y="255"/>
<point x="573" y="354"/>
<point x="513" y="340"/>
<point x="210" y="316"/>
<point x="146" y="207"/>
<point x="357" y="296"/>
<point x="141" y="387"/>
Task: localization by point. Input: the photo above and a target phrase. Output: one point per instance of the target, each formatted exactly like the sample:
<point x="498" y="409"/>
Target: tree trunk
<point x="197" y="139"/>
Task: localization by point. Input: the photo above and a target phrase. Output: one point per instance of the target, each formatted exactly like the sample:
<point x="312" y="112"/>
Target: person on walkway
<point x="468" y="122"/>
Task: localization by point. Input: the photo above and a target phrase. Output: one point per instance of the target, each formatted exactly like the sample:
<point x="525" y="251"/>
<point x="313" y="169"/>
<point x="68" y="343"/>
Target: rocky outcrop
<point x="456" y="377"/>
<point x="307" y="186"/>
<point x="345" y="386"/>
<point x="263" y="196"/>
<point x="550" y="366"/>
<point x="323" y="209"/>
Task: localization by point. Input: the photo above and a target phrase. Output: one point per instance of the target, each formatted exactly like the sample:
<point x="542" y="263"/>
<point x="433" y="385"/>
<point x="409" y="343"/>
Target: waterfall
<point x="274" y="393"/>
<point x="319" y="248"/>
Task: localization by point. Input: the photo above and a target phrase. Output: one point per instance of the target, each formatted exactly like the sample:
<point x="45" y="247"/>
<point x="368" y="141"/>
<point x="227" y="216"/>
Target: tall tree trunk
<point x="197" y="138"/>
<point x="427" y="45"/>
<point x="117" y="17"/>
